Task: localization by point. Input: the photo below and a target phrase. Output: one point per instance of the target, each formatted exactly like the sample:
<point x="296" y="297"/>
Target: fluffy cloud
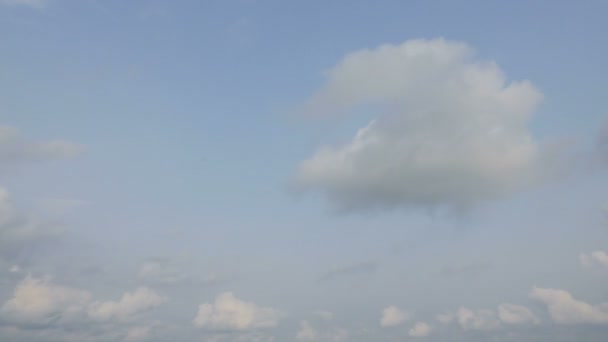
<point x="130" y="304"/>
<point x="477" y="319"/>
<point x="420" y="329"/>
<point x="15" y="149"/>
<point x="306" y="332"/>
<point x="229" y="312"/>
<point x="564" y="309"/>
<point x="39" y="301"/>
<point x="595" y="259"/>
<point x="392" y="316"/>
<point x="451" y="130"/>
<point x="516" y="314"/>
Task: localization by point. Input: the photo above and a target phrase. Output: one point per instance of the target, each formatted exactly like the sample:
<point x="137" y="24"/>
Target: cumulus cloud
<point x="141" y="299"/>
<point x="450" y="130"/>
<point x="39" y="301"/>
<point x="516" y="314"/>
<point x="306" y="332"/>
<point x="14" y="149"/>
<point x="594" y="259"/>
<point x="420" y="329"/>
<point x="229" y="312"/>
<point x="477" y="319"/>
<point x="565" y="309"/>
<point x="392" y="316"/>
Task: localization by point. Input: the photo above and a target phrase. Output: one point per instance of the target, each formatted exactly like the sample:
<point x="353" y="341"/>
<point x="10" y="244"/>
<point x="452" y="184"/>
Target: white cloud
<point x="420" y="329"/>
<point x="39" y="301"/>
<point x="30" y="3"/>
<point x="15" y="149"/>
<point x="141" y="299"/>
<point x="229" y="312"/>
<point x="392" y="316"/>
<point x="477" y="319"/>
<point x="564" y="309"/>
<point x="516" y="314"/>
<point x="451" y="130"/>
<point x="306" y="332"/>
<point x="594" y="259"/>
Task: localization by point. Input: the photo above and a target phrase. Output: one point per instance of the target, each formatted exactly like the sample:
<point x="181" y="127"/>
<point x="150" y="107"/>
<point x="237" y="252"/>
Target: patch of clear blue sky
<point x="184" y="105"/>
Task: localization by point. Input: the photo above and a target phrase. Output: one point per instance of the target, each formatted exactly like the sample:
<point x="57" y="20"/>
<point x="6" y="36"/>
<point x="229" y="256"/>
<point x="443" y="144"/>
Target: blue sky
<point x="270" y="170"/>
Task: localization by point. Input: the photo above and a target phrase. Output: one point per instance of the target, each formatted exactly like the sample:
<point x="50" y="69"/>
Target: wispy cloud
<point x="367" y="267"/>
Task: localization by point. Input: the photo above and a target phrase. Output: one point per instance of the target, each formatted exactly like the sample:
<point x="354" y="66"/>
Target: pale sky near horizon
<point x="265" y="170"/>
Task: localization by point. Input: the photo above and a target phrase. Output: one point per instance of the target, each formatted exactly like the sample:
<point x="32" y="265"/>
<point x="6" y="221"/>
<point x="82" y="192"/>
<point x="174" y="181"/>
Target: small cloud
<point x="306" y="332"/>
<point x="229" y="312"/>
<point x="468" y="270"/>
<point x="564" y="309"/>
<point x="420" y="329"/>
<point x="477" y="319"/>
<point x="15" y="149"/>
<point x="39" y="301"/>
<point x="368" y="267"/>
<point x="597" y="259"/>
<point x="160" y="271"/>
<point x="141" y="299"/>
<point x="392" y="316"/>
<point x="516" y="314"/>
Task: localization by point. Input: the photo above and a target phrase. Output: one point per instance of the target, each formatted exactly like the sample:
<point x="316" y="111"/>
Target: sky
<point x="265" y="170"/>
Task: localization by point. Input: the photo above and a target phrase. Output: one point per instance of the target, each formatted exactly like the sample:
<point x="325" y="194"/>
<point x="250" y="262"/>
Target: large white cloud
<point x="38" y="301"/>
<point x="229" y="312"/>
<point x="449" y="130"/>
<point x="131" y="303"/>
<point x="392" y="316"/>
<point x="565" y="309"/>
